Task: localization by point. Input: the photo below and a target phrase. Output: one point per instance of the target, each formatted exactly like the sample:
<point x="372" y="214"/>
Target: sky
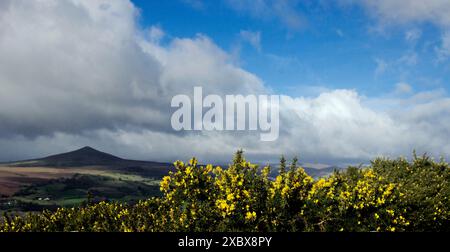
<point x="310" y="44"/>
<point x="366" y="78"/>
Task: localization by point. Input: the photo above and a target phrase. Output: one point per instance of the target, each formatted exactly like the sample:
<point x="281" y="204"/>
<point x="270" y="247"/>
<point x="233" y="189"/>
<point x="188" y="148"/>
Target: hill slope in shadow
<point x="89" y="157"/>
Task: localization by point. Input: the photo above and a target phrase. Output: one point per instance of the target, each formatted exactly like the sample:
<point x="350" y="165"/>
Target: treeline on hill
<point x="389" y="195"/>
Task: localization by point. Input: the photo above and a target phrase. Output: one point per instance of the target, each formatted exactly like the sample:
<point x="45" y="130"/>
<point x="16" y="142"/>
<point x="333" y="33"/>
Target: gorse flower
<point x="390" y="195"/>
<point x="250" y="216"/>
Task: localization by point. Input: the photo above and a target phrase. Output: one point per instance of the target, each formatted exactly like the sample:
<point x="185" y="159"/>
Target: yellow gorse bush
<point x="390" y="195"/>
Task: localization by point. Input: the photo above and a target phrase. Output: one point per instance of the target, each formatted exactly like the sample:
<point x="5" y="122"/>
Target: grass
<point x="74" y="190"/>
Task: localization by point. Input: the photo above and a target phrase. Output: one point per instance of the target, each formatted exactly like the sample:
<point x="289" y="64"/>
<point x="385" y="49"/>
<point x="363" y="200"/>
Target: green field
<point x="77" y="190"/>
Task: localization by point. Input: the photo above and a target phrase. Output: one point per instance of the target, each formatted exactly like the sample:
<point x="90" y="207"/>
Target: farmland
<point x="68" y="179"/>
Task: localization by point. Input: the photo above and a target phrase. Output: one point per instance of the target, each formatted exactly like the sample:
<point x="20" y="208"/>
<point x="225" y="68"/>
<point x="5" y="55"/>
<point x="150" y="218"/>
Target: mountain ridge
<point x="88" y="156"/>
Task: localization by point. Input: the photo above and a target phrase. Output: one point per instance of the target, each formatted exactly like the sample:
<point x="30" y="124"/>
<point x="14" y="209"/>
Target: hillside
<point x="86" y="156"/>
<point x="82" y="157"/>
<point x="66" y="179"/>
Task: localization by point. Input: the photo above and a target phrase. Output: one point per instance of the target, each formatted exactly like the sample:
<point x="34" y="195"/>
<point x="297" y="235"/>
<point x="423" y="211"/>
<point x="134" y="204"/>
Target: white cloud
<point x="156" y="34"/>
<point x="403" y="88"/>
<point x="108" y="84"/>
<point x="413" y="35"/>
<point x="412" y="12"/>
<point x="381" y="67"/>
<point x="101" y="74"/>
<point x="407" y="11"/>
<point x="443" y="51"/>
<point x="253" y="38"/>
<point x="331" y="121"/>
<point x="410" y="58"/>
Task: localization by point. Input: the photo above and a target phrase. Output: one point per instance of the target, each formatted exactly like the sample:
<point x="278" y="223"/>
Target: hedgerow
<point x="388" y="195"/>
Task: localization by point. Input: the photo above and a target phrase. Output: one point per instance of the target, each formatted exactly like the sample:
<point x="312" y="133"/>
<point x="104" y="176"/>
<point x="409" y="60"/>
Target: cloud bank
<point x="75" y="73"/>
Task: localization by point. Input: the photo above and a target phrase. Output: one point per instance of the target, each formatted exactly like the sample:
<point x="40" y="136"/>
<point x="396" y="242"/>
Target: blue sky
<point x="336" y="46"/>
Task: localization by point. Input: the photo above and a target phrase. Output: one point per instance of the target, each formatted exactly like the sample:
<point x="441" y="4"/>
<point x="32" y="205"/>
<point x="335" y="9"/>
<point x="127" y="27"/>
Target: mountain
<point x="314" y="170"/>
<point x="65" y="179"/>
<point x="82" y="157"/>
<point x="88" y="158"/>
<point x="322" y="172"/>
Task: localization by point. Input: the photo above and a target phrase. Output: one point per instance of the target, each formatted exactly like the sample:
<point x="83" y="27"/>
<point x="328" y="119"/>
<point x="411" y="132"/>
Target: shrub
<point x="389" y="195"/>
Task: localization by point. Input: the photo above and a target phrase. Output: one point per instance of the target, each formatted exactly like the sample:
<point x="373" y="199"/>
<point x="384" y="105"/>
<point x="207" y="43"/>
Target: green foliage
<point x="390" y="195"/>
